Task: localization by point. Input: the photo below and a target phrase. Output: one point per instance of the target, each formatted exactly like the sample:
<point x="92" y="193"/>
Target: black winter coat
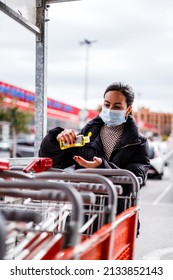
<point x="130" y="153"/>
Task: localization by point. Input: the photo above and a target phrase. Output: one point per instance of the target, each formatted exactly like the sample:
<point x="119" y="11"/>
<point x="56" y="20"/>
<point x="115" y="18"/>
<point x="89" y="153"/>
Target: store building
<point x="158" y="122"/>
<point x="58" y="113"/>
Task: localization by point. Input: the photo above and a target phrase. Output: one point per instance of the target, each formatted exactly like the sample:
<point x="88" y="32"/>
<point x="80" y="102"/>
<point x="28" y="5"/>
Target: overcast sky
<point x="134" y="45"/>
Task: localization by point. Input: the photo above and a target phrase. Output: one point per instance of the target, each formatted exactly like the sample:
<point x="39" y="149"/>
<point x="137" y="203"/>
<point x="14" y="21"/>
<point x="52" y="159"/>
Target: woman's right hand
<point x="67" y="136"/>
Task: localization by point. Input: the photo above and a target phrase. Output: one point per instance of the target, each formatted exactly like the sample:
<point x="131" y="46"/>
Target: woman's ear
<point x="129" y="110"/>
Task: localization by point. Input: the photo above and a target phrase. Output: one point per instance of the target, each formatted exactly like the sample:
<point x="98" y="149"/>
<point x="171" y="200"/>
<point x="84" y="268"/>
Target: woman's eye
<point x="117" y="108"/>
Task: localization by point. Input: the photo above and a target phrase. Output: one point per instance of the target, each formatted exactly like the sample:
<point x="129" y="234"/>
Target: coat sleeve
<point x="108" y="164"/>
<point x="140" y="162"/>
<point x="50" y="148"/>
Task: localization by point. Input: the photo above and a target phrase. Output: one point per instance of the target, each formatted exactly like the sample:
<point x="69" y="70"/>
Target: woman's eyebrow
<point x="116" y="103"/>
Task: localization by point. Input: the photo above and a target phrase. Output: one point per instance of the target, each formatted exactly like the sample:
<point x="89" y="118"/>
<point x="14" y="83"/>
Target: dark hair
<point x="126" y="90"/>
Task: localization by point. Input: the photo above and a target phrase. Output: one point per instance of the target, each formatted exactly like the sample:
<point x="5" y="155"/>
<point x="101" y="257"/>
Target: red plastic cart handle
<point x="38" y="165"/>
<point x="4" y="165"/>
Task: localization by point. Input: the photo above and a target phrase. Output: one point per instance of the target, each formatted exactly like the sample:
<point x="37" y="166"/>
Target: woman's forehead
<point x="114" y="97"/>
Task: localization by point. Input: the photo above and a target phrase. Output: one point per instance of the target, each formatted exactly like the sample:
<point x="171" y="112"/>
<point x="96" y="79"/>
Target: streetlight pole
<point x="87" y="44"/>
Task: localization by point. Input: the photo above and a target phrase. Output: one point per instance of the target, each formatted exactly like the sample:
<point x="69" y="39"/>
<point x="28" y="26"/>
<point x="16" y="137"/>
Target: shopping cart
<point x="31" y="232"/>
<point x="104" y="244"/>
<point x="115" y="236"/>
<point x="102" y="189"/>
<point x="115" y="240"/>
<point x="23" y="181"/>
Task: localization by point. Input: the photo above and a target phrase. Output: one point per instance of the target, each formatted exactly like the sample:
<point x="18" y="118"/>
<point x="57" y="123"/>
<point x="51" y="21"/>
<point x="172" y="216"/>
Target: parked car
<point x="5" y="150"/>
<point x="157" y="163"/>
<point x="164" y="150"/>
<point x="25" y="148"/>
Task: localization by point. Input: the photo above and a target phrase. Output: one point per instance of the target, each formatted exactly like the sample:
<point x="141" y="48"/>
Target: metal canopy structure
<point x="33" y="15"/>
<point x="17" y="16"/>
<point x="58" y="1"/>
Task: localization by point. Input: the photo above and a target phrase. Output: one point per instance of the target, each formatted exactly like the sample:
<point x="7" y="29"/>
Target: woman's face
<point x="115" y="100"/>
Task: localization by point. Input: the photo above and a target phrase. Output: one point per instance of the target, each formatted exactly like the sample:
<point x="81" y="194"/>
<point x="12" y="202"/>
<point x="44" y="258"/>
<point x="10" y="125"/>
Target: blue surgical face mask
<point x="113" y="117"/>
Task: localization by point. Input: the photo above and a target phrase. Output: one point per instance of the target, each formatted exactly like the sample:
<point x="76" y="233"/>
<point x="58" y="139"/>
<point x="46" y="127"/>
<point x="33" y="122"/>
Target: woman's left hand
<point x="88" y="164"/>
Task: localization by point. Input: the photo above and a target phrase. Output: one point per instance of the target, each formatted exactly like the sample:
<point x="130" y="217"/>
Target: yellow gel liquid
<point x="80" y="141"/>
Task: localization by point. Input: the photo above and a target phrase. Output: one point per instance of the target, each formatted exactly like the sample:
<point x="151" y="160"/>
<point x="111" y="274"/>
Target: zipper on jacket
<point x="128" y="145"/>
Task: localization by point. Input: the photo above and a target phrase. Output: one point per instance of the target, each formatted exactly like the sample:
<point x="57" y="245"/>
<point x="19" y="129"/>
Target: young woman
<point x="115" y="141"/>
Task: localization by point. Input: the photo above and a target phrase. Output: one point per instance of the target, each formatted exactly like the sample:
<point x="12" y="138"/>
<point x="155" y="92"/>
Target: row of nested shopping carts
<point x="53" y="214"/>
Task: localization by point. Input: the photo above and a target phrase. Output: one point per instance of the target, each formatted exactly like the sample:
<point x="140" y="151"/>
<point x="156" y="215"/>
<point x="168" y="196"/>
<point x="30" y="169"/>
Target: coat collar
<point x="130" y="134"/>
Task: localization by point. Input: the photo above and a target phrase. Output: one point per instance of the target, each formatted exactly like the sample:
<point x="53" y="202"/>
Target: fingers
<point x="97" y="160"/>
<point x="81" y="161"/>
<point x="88" y="164"/>
<point x="67" y="136"/>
